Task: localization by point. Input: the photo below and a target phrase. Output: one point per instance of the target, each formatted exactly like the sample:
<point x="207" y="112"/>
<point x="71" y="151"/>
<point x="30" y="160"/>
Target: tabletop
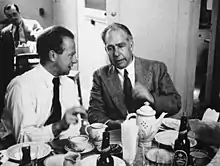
<point x="115" y="138"/>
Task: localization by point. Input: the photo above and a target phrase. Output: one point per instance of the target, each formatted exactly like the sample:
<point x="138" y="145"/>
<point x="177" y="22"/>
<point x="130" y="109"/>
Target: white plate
<point x="172" y="123"/>
<point x="91" y="161"/>
<point x="14" y="152"/>
<point x="88" y="148"/>
<point x="56" y="160"/>
<point x="168" y="137"/>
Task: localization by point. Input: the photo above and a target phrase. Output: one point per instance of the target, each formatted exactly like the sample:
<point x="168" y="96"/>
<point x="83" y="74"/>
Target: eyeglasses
<point x="110" y="49"/>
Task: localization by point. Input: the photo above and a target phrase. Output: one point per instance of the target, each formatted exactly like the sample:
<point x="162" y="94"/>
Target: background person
<point x="20" y="29"/>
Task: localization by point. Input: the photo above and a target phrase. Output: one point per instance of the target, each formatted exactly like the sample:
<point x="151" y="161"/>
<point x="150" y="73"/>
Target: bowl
<point x="157" y="156"/>
<point x="199" y="157"/>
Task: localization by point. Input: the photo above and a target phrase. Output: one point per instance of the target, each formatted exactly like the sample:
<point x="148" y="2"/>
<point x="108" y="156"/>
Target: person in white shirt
<point x="28" y="99"/>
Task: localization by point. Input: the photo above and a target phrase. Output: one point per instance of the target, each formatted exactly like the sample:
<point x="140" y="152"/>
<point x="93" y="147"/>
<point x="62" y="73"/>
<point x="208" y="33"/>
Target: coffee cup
<point x="199" y="157"/>
<point x="95" y="131"/>
<point x="78" y="143"/>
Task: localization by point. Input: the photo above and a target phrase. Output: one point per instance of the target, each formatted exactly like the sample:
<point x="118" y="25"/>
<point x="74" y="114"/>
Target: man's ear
<point x="131" y="45"/>
<point x="52" y="55"/>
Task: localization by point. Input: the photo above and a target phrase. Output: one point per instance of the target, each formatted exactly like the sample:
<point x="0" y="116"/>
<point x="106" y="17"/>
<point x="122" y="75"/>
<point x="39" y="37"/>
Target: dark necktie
<point x="56" y="107"/>
<point x="16" y="36"/>
<point x="128" y="92"/>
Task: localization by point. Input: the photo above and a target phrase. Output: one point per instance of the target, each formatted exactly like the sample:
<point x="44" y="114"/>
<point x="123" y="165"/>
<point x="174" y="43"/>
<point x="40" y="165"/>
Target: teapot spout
<point x="159" y="120"/>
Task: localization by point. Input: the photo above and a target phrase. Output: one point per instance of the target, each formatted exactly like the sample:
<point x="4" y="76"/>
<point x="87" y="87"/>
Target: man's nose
<point x="116" y="51"/>
<point x="75" y="59"/>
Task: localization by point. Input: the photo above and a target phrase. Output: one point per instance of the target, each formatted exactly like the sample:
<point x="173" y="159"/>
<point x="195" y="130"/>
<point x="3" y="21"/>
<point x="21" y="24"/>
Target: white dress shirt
<point x="131" y="73"/>
<point x="28" y="101"/>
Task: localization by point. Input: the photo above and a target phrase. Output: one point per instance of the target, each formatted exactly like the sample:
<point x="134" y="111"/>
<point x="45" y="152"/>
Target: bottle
<point x="182" y="145"/>
<point x="105" y="158"/>
<point x="26" y="156"/>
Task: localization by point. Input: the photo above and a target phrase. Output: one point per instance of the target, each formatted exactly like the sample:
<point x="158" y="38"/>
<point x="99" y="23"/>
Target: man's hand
<point x="70" y="117"/>
<point x="142" y="93"/>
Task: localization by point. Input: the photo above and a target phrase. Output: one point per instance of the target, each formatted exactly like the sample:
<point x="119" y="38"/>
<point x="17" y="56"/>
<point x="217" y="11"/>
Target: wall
<point x="30" y="9"/>
<point x="91" y="48"/>
<point x="65" y="14"/>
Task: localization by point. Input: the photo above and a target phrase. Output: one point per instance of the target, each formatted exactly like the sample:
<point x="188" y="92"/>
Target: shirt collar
<point x="129" y="68"/>
<point x="47" y="76"/>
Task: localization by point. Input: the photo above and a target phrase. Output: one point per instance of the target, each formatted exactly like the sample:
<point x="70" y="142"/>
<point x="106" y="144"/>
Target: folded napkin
<point x="210" y="115"/>
<point x="129" y="135"/>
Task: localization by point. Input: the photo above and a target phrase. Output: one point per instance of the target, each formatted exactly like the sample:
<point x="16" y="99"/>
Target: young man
<point x="43" y="102"/>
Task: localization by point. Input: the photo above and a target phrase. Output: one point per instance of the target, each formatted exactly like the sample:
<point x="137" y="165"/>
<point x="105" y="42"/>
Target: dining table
<point x="57" y="147"/>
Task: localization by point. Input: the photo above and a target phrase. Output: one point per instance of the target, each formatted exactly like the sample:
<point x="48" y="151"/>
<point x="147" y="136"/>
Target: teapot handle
<point x="86" y="129"/>
<point x="129" y="116"/>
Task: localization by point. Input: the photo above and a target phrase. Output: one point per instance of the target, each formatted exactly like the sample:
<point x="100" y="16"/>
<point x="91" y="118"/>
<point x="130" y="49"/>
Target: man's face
<point x="13" y="15"/>
<point x="119" y="48"/>
<point x="64" y="61"/>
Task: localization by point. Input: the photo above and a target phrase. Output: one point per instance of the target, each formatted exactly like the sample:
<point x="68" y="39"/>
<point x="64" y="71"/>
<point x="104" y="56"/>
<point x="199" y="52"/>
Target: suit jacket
<point x="107" y="97"/>
<point x="31" y="29"/>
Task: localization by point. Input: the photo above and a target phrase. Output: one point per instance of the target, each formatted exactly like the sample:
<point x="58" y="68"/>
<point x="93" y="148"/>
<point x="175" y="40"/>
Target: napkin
<point x="210" y="115"/>
<point x="129" y="135"/>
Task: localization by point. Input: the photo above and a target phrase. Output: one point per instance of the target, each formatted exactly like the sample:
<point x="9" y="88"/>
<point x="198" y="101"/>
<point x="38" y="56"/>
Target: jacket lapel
<point x="113" y="85"/>
<point x="142" y="74"/>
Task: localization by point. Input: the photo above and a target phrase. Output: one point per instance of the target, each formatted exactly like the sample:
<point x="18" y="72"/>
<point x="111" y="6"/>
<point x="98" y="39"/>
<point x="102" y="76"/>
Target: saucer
<point x="91" y="161"/>
<point x="89" y="148"/>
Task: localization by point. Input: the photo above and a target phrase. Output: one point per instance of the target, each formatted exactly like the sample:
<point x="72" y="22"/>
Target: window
<point x="96" y="4"/>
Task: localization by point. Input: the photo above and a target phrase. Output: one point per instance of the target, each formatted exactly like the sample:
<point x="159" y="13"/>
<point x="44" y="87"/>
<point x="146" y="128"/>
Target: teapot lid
<point x="146" y="110"/>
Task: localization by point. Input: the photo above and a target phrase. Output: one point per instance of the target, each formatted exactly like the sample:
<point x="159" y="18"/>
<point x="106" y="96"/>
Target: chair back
<point x="25" y="62"/>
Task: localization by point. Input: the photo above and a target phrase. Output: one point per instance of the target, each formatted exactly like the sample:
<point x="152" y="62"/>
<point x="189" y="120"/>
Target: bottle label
<point x="106" y="149"/>
<point x="183" y="132"/>
<point x="180" y="158"/>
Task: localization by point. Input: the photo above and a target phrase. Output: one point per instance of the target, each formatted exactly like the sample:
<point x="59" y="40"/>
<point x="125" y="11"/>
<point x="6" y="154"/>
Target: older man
<point x="43" y="103"/>
<point x="123" y="86"/>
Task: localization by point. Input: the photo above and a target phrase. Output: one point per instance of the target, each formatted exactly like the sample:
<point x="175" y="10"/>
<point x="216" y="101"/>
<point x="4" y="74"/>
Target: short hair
<point x="116" y="26"/>
<point x="9" y="6"/>
<point x="51" y="38"/>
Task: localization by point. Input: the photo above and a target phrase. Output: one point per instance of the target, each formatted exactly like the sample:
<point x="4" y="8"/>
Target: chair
<point x="74" y="75"/>
<point x="25" y="62"/>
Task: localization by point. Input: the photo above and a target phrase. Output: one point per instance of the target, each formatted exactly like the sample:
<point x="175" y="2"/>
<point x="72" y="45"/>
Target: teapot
<point x="147" y="122"/>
